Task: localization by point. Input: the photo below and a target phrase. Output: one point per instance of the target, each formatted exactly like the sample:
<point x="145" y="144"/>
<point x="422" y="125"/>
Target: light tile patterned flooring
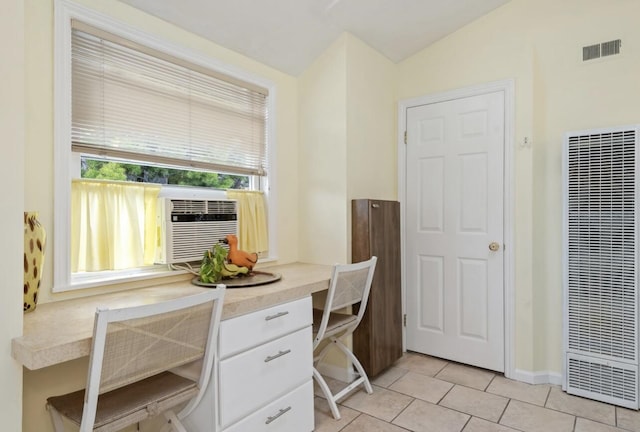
<point x="425" y="394"/>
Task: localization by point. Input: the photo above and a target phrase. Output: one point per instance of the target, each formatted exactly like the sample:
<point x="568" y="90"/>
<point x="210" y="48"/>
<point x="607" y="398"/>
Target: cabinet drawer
<point x="254" y="378"/>
<point x="291" y="413"/>
<point x="247" y="331"/>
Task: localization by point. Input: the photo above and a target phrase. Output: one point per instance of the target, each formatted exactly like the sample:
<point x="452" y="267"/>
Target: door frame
<point x="508" y="89"/>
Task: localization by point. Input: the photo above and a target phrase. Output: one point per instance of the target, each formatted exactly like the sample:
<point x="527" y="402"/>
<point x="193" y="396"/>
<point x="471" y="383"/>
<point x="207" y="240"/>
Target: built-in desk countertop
<point x="60" y="331"/>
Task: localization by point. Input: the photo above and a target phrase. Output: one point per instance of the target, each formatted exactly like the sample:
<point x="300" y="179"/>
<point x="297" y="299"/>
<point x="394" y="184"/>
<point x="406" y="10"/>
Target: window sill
<point x="107" y="278"/>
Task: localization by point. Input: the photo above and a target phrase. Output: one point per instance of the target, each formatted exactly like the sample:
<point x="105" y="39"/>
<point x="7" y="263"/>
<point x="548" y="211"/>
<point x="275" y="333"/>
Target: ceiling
<point x="289" y="34"/>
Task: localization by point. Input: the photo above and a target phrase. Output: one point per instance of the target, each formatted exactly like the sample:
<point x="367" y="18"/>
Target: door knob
<point x="494" y="246"/>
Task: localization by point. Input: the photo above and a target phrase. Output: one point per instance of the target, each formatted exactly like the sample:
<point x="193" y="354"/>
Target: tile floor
<point x="426" y="394"/>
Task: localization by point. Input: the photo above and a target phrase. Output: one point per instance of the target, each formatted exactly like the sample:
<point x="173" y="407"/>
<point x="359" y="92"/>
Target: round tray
<point x="253" y="279"/>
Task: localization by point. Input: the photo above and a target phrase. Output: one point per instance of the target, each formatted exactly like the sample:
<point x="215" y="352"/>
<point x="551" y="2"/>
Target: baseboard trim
<point x="344" y="374"/>
<point x="543" y="377"/>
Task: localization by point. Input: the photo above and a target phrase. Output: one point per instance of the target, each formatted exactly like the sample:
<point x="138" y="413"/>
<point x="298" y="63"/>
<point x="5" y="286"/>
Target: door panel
<point x="473" y="196"/>
<point x="432" y="297"/>
<point x="432" y="196"/>
<point x="454" y="204"/>
<point x="473" y="294"/>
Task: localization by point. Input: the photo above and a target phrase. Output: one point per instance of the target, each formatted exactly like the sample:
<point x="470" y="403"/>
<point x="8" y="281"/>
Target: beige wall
<point x="12" y="112"/>
<point x="538" y="42"/>
<point x="322" y="157"/>
<point x="572" y="96"/>
<point x="347" y="144"/>
<point x="371" y="123"/>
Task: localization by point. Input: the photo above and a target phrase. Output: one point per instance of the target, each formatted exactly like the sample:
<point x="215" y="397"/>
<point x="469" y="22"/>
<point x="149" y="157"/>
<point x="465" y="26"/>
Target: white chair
<point x="134" y="355"/>
<point x="350" y="284"/>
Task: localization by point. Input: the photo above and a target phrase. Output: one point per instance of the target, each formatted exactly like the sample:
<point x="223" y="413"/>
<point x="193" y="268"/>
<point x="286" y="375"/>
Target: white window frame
<point x="65" y="11"/>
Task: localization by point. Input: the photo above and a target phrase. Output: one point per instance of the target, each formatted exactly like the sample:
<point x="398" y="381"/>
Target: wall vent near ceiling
<point x="591" y="52"/>
<point x="611" y="47"/>
<point x="603" y="49"/>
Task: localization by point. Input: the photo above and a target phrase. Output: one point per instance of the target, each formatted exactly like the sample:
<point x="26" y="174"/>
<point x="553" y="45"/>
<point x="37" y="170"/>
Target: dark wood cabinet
<point x="375" y="230"/>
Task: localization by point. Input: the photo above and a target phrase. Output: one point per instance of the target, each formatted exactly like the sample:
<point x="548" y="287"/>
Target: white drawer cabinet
<point x="247" y="331"/>
<point x="256" y="377"/>
<point x="290" y="413"/>
<point x="264" y="373"/>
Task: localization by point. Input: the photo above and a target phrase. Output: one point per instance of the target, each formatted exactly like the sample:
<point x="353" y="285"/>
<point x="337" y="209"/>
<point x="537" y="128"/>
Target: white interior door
<point x="454" y="230"/>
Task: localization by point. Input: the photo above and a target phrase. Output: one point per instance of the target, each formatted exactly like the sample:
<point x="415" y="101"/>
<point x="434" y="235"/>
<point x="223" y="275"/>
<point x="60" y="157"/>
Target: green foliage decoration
<point x="213" y="264"/>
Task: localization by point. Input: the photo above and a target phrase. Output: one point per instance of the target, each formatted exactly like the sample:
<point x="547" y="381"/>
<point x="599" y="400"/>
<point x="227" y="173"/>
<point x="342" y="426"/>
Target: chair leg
<point x="323" y="352"/>
<point x="327" y="394"/>
<point x="56" y="419"/>
<point x="173" y="423"/>
<point x="356" y="363"/>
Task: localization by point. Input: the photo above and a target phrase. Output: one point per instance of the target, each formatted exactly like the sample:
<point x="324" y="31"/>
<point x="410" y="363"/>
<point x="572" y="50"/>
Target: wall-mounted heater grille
<point x="601" y="267"/>
<point x="189" y="227"/>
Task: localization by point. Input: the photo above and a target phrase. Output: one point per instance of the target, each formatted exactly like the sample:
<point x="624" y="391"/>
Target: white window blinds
<point x="136" y="103"/>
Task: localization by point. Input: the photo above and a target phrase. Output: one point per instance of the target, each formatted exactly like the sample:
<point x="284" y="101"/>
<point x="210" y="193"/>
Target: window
<point x="136" y="118"/>
<point x="131" y="102"/>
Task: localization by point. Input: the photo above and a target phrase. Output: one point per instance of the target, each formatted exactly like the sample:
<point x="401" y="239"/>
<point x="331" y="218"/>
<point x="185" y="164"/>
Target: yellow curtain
<point x="252" y="220"/>
<point x="113" y="225"/>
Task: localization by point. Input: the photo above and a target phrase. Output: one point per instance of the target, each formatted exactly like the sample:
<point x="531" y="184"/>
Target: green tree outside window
<point x="109" y="170"/>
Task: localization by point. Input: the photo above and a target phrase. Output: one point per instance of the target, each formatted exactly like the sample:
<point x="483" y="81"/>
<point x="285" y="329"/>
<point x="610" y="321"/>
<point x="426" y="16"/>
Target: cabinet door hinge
<point x="405" y="137"/>
<point x="404" y="320"/>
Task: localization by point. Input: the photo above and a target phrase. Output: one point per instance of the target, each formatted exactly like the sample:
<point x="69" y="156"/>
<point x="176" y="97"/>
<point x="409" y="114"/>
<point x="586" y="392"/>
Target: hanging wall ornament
<point x="34" y="241"/>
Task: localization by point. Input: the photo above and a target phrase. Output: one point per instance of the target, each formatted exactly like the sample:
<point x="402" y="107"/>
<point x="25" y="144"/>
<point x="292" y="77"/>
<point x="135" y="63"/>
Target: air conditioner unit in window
<point x="189" y="227"/>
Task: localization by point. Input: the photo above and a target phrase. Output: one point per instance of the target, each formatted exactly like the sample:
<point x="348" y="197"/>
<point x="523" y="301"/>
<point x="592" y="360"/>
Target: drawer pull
<point x="278" y="315"/>
<point x="280" y="354"/>
<point x="281" y="412"/>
